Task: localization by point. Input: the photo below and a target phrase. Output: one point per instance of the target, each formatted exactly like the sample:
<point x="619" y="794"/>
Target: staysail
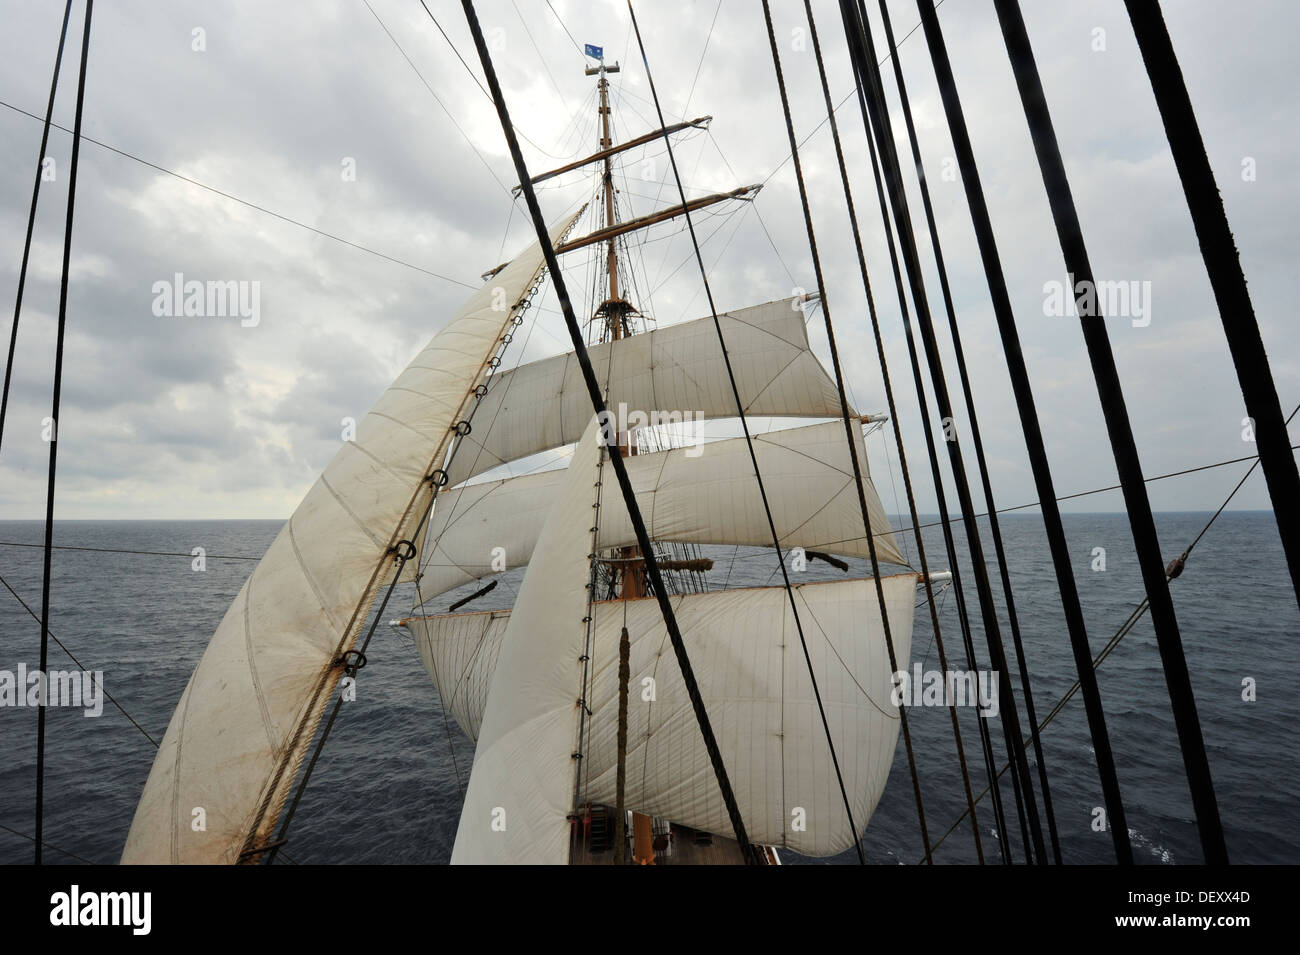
<point x="755" y="683"/>
<point x="705" y="494"/>
<point x="520" y="790"/>
<point x="249" y="712"/>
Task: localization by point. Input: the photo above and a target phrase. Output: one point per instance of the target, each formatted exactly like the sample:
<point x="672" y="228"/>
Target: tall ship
<point x="590" y="743"/>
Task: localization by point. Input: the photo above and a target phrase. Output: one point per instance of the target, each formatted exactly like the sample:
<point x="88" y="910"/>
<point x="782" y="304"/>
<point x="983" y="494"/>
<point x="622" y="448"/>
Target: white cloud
<point x="203" y="418"/>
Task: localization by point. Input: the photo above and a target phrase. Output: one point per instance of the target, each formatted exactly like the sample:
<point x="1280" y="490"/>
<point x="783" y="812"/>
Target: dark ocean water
<point x="387" y="789"/>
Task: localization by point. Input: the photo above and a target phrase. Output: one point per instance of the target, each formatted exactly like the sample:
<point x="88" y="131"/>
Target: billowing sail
<point x="521" y="788"/>
<point x="754" y="681"/>
<point x="704" y="494"/>
<point x="676" y="369"/>
<point x="246" y="718"/>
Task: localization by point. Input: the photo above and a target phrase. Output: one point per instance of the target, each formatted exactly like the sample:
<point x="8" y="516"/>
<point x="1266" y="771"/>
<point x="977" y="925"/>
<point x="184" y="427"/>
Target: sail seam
<point x="378" y="542"/>
<point x="399" y="421"/>
<point x="253" y="675"/>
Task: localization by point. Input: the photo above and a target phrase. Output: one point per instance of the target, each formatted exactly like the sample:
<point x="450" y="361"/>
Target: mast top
<point x="598" y="53"/>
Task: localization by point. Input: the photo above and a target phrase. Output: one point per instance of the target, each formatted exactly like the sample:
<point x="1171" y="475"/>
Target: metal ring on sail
<point x="352" y="661"/>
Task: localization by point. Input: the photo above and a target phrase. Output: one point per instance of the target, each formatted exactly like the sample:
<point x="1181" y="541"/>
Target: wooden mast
<point x="614" y="311"/>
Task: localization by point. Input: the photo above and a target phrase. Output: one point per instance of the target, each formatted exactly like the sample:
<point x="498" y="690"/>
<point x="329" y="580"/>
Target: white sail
<point x="520" y="790"/>
<point x="461" y="660"/>
<point x="705" y="495"/>
<point x="248" y="714"/>
<point x="679" y="368"/>
<point x="754" y="681"/>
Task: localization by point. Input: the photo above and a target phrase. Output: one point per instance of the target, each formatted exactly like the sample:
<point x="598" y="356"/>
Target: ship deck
<point x="673" y="844"/>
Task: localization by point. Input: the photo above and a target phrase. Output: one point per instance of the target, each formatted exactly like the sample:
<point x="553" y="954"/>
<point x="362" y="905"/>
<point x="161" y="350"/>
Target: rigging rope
<point x="243" y="202"/>
<point x="103" y="689"/>
<point x="436" y="98"/>
<point x="31" y="219"/>
<point x="1034" y="442"/>
<point x="936" y="633"/>
<point x="849" y="422"/>
<point x="54" y="436"/>
<point x="856" y="89"/>
<point x="1000" y="829"/>
<point x="1174" y="570"/>
<point x="433" y="659"/>
<point x="352" y="661"/>
<point x="566" y="32"/>
<point x="749" y="444"/>
<point x="620" y="469"/>
<point x="976" y="439"/>
<point x="582" y="781"/>
<point x="863" y="51"/>
<point x="1115" y="487"/>
<point x="403" y="550"/>
<point x="1226" y="278"/>
<point x="32" y="839"/>
<point x="109" y="696"/>
<point x="1114" y="407"/>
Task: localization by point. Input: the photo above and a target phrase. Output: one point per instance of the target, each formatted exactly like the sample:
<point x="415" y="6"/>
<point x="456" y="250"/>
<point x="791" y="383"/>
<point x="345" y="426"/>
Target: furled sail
<point x="704" y="494"/>
<point x="755" y="683"/>
<point x="251" y="707"/>
<point x="520" y="790"/>
<point x="679" y="368"/>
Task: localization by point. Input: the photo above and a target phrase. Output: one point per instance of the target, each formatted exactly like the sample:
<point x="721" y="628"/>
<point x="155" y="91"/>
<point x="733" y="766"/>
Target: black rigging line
<point x="1001" y="510"/>
<point x="816" y="129"/>
<point x="1174" y="570"/>
<point x="699" y="65"/>
<point x="849" y="423"/>
<point x="454" y="49"/>
<point x="754" y="205"/>
<point x="243" y="202"/>
<point x="54" y="435"/>
<point x="351" y="662"/>
<point x="976" y="439"/>
<point x="437" y="99"/>
<point x="936" y="633"/>
<point x="31" y="218"/>
<point x="545" y="66"/>
<point x="1226" y="277"/>
<point x="442" y="704"/>
<point x="1034" y="443"/>
<point x="749" y="441"/>
<point x="1114" y="407"/>
<point x="620" y="468"/>
<point x="115" y="550"/>
<point x="479" y="84"/>
<point x="81" y="666"/>
<point x="899" y="530"/>
<point x="575" y="43"/>
<point x="103" y="689"/>
<point x="1001" y="829"/>
<point x="907" y="242"/>
<point x="29" y="838"/>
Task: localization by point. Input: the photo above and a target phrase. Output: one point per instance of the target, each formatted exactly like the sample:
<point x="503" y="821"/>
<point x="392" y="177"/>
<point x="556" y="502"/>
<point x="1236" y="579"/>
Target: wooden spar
<point x="606" y="152"/>
<point x="609" y="232"/>
<point x="612" y="316"/>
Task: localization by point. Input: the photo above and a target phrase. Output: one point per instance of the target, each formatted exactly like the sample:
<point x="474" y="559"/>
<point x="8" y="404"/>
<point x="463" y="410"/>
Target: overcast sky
<point x="206" y="418"/>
